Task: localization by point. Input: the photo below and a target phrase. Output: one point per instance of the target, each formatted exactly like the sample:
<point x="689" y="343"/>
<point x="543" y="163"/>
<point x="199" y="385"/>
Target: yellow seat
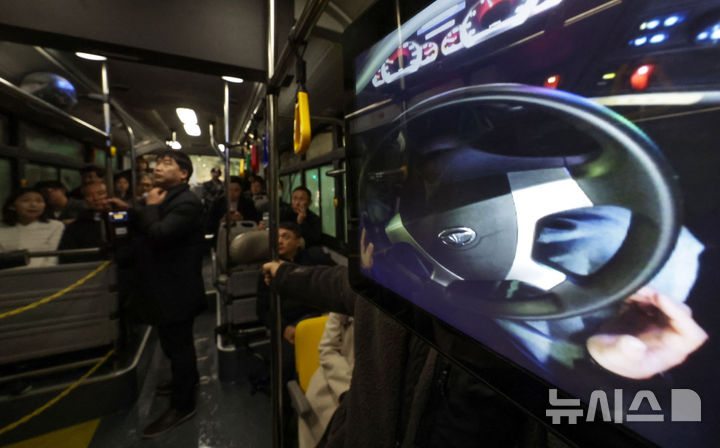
<point x="307" y="338"/>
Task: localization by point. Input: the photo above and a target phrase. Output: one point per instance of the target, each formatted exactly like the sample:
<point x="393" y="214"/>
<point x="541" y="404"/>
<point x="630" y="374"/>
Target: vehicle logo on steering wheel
<point x="457" y="237"/>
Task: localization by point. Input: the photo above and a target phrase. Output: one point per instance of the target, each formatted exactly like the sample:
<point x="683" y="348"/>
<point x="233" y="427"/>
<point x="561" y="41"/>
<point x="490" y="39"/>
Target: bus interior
<point x="525" y="186"/>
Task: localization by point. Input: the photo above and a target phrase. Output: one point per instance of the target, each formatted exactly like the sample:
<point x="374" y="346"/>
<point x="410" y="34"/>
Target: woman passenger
<point x="26" y="226"/>
<point x="144" y="185"/>
<point x="122" y="187"/>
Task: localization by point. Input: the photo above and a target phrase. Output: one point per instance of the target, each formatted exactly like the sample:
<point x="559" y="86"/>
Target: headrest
<point x="250" y="247"/>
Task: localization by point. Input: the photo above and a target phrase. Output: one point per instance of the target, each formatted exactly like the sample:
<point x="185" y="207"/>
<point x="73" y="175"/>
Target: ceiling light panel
<point x="193" y="130"/>
<point x="186" y="115"/>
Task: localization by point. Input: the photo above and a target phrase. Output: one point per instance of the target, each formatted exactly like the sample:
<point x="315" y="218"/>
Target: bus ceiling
<point x="161" y="58"/>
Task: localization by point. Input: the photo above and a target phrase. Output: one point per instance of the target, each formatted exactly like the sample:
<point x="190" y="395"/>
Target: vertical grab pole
<point x="106" y="119"/>
<point x="226" y="159"/>
<point x="133" y="164"/>
<point x="276" y="391"/>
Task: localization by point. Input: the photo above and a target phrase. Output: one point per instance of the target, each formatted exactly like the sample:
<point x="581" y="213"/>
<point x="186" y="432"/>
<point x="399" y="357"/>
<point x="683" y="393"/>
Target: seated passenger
<point x="122" y="186"/>
<point x="26" y="226"/>
<point x="242" y="209"/>
<point x="290" y="249"/>
<point x="331" y="380"/>
<point x="258" y="196"/>
<point x="91" y="228"/>
<point x="309" y="222"/>
<point x="88" y="174"/>
<point x="60" y="206"/>
<point x="144" y="185"/>
<point x="403" y="393"/>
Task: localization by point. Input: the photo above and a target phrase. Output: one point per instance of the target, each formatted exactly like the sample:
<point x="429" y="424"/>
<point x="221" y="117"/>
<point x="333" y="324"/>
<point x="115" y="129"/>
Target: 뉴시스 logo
<point x="685" y="406"/>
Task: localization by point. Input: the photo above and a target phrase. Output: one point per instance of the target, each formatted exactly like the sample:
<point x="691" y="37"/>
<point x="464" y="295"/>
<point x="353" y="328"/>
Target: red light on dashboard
<point x="552" y="82"/>
<point x="641" y="78"/>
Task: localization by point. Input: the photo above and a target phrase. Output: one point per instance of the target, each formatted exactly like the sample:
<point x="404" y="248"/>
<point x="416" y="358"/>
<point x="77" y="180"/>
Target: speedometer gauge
<point x="402" y="62"/>
<point x="489" y="18"/>
<point x="430" y="52"/>
<point x="377" y="80"/>
<point x="451" y="42"/>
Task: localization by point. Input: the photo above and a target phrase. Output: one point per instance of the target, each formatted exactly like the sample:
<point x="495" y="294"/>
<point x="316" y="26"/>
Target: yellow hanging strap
<point x="57" y="294"/>
<point x="59" y="396"/>
<point x="301" y="140"/>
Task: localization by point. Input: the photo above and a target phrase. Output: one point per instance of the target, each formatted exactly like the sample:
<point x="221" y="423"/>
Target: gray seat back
<point x="79" y="319"/>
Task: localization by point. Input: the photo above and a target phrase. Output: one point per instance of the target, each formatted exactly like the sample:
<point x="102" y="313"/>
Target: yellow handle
<point x="241" y="170"/>
<point x="301" y="138"/>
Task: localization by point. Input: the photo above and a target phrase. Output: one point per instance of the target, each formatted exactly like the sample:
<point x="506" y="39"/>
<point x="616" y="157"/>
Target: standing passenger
<point x="213" y="189"/>
<point x="169" y="248"/>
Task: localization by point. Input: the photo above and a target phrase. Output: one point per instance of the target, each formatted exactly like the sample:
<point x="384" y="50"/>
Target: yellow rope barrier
<point x="58" y="397"/>
<point x="57" y="294"/>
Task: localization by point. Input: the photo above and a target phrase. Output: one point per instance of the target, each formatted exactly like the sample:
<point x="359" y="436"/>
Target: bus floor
<point x="228" y="414"/>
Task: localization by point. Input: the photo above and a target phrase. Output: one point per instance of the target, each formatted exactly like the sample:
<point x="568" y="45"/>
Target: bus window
<point x="35" y="173"/>
<point x="99" y="159"/>
<point x="5" y="180"/>
<point x="41" y="140"/>
<point x="327" y="201"/>
<point x="203" y="164"/>
<point x="70" y="178"/>
<point x="285" y="193"/>
<point x="313" y="184"/>
<point x="295" y="181"/>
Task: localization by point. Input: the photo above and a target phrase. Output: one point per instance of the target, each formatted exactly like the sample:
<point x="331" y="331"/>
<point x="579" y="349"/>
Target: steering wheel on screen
<point x="502" y="157"/>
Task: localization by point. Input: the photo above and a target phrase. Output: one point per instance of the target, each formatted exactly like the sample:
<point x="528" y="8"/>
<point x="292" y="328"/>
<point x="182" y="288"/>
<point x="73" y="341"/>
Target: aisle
<point x="227" y="414"/>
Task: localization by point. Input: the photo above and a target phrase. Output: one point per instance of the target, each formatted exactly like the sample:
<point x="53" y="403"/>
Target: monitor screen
<point x="540" y="177"/>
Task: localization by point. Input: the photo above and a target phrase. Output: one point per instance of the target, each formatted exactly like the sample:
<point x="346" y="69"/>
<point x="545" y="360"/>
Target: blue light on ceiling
<point x="658" y="38"/>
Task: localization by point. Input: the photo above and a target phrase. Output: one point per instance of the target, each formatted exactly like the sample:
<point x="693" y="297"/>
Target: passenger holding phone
<point x="91" y="228"/>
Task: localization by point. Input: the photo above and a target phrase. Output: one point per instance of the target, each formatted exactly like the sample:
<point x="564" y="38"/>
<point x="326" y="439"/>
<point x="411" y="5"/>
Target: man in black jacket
<point x="168" y="249"/>
<point x="393" y="401"/>
<point x="299" y="212"/>
<point x="90" y="228"/>
<point x="242" y="208"/>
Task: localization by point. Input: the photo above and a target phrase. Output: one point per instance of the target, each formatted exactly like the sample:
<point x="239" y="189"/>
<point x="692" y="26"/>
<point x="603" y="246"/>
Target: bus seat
<point x="250" y="247"/>
<point x="236" y="229"/>
<point x="78" y="320"/>
<point x="308" y="333"/>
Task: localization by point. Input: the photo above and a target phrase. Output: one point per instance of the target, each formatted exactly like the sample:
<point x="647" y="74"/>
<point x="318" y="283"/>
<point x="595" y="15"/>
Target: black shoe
<point x="167" y="421"/>
<point x="164" y="389"/>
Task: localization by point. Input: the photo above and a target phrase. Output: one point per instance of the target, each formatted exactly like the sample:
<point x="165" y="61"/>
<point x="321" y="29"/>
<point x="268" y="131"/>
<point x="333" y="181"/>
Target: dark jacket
<point x="292" y="311"/>
<point x="168" y="246"/>
<point x="311" y="227"/>
<point x="394" y="399"/>
<point x="211" y="191"/>
<point x="72" y="210"/>
<point x="219" y="207"/>
<point x="90" y="229"/>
